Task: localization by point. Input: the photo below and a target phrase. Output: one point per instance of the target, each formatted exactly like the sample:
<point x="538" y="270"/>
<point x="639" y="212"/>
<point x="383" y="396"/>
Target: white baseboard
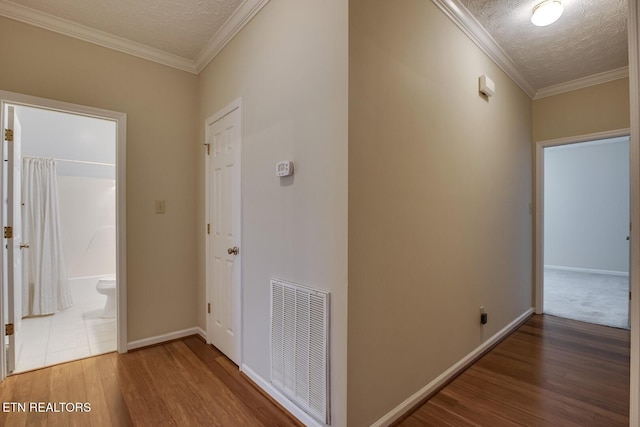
<point x="588" y="270"/>
<point x="450" y="373"/>
<point x="164" y="338"/>
<point x="292" y="408"/>
<point x="202" y="333"/>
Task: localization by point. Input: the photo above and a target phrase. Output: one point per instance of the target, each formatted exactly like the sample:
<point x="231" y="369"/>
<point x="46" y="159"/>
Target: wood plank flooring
<point x="550" y="372"/>
<point x="181" y="383"/>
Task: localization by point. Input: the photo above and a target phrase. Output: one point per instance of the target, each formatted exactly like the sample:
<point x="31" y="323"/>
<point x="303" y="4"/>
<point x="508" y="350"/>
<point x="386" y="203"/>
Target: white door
<point x="224" y="252"/>
<point x="12" y="213"/>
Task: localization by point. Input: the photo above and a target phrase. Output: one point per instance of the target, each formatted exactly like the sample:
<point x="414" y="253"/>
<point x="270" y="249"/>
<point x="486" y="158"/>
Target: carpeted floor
<point x="594" y="298"/>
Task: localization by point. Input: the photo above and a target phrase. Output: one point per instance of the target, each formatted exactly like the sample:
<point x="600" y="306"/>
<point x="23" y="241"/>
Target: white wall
<point x="72" y="137"/>
<point x="88" y="222"/>
<point x="586" y="205"/>
<point x="86" y="192"/>
<point x="290" y="66"/>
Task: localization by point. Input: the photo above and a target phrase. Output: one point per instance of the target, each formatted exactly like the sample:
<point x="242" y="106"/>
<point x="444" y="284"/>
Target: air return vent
<point x="300" y="346"/>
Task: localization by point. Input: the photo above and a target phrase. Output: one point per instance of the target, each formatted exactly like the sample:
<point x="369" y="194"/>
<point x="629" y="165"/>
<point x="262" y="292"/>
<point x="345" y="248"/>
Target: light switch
<point x="160" y="206"/>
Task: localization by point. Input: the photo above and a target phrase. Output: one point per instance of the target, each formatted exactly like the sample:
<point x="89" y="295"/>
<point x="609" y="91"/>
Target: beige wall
<point x="439" y="193"/>
<point x="427" y="182"/>
<point x="161" y="105"/>
<point x="290" y="67"/>
<point x="599" y="108"/>
<point x="593" y="109"/>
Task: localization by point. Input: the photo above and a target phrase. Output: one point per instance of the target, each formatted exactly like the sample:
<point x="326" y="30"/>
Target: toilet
<point x="107" y="286"/>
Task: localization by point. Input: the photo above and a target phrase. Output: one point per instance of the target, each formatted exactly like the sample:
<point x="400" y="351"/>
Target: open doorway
<point x="63" y="270"/>
<point x="586" y="231"/>
<point x="68" y="289"/>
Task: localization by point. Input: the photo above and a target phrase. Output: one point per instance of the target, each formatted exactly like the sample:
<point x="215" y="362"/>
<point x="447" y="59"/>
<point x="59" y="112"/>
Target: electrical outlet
<point x="483" y="315"/>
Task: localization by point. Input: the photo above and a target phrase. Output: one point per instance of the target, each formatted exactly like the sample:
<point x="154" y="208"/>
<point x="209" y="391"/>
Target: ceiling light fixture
<point x="547" y="13"/>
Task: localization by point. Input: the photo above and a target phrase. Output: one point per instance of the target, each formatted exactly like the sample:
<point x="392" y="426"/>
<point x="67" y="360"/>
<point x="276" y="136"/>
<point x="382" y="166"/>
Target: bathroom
<point x="68" y="304"/>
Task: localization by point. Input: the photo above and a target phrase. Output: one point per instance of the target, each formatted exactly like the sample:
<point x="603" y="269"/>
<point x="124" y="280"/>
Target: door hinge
<point x="209" y="307"/>
<point x="629" y="296"/>
<point x="208" y="148"/>
<point x="208" y="228"/>
<point x="8" y="232"/>
<point x="8" y="135"/>
<point x="8" y="329"/>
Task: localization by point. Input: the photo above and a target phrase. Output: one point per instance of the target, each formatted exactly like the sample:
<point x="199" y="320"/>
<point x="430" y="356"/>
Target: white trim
<point x="587" y="270"/>
<point x="158" y="339"/>
<point x="237" y="103"/>
<point x="469" y="25"/>
<point x="476" y="32"/>
<point x="291" y="407"/>
<point x="634" y="268"/>
<point x="121" y="227"/>
<point x="121" y="211"/>
<point x="581" y="83"/>
<point x="68" y="28"/>
<point x="539" y="203"/>
<point x="228" y="31"/>
<point x="589" y="137"/>
<point x="592" y="143"/>
<point x="442" y="379"/>
<point x="245" y="12"/>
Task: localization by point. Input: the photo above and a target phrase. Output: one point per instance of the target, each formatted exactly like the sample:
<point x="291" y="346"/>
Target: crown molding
<point x="595" y="79"/>
<point x="476" y="32"/>
<point x="241" y="17"/>
<point x="72" y="29"/>
<point x="247" y="10"/>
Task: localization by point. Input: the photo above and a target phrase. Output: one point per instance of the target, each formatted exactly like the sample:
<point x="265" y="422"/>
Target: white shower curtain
<point x="45" y="286"/>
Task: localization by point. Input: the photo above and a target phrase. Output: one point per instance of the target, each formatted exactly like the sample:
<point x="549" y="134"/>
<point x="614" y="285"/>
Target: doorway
<point x="63" y="182"/>
<point x="583" y="191"/>
<point x="223" y="133"/>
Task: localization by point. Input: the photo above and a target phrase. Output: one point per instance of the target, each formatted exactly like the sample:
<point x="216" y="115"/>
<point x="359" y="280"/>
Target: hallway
<point x="551" y="371"/>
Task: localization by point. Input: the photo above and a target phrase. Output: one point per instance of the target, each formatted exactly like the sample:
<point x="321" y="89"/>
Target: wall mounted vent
<point x="300" y="346"/>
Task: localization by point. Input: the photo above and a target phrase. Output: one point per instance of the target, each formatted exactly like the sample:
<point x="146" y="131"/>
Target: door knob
<point x="24" y="246"/>
<point x="234" y="250"/>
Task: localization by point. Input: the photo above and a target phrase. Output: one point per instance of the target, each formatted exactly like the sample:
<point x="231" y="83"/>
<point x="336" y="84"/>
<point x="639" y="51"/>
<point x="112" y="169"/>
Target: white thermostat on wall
<point x="284" y="168"/>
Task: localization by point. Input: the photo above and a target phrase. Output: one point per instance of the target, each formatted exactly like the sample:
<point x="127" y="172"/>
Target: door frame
<point x="634" y="201"/>
<point x="120" y="119"/>
<point x="12" y="214"/>
<point x="236" y="104"/>
<point x="539" y="202"/>
<point x="634" y="268"/>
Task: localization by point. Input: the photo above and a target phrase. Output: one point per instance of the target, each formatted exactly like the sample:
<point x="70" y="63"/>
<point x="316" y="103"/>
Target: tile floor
<point x="72" y="334"/>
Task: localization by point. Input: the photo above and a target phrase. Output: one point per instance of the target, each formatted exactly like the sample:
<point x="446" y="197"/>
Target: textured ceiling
<point x="589" y="38"/>
<point x="179" y="27"/>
